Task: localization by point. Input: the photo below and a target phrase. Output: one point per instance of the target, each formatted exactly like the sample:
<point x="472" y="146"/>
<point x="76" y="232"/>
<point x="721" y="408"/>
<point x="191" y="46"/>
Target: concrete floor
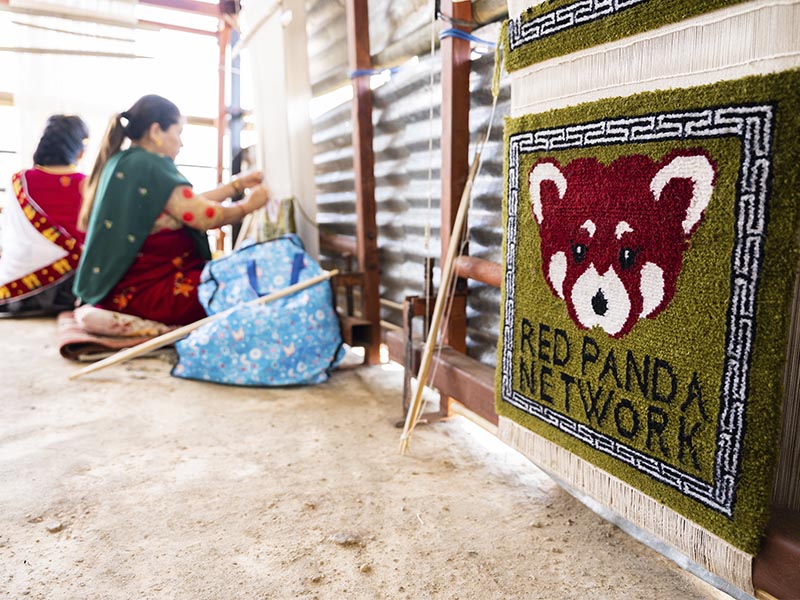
<point x="132" y="484"/>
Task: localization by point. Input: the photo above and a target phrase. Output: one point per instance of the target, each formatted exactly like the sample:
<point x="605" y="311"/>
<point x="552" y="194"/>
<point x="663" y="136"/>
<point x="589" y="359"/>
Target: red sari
<point x="161" y="284"/>
<point x="127" y="267"/>
<point x="59" y="197"/>
<point x="41" y="243"/>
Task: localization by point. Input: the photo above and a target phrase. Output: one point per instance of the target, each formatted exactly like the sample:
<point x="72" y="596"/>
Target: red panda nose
<point x="599" y="303"/>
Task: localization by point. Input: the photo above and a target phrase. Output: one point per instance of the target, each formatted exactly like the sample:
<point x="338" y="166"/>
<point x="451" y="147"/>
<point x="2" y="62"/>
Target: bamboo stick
<point x="243" y="231"/>
<point x="415" y="408"/>
<point x="182" y="332"/>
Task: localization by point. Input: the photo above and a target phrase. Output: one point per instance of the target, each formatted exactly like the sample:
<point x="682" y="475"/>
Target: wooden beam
<point x="343" y="244"/>
<point x="455" y="146"/>
<point x="62" y="52"/>
<point x="74" y="15"/>
<point x="223" y="40"/>
<point x="173" y="27"/>
<point x="466" y="380"/>
<point x="363" y="167"/>
<point x="192" y="6"/>
<point x="113" y="38"/>
<point x="485" y="271"/>
<point x="69" y="14"/>
<point x="775" y="568"/>
<point x="222" y="111"/>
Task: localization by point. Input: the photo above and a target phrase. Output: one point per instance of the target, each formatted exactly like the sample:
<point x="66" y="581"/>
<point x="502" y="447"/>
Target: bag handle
<point x="298" y="264"/>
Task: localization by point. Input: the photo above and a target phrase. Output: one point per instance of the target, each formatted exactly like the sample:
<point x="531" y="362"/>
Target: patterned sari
<point x="128" y="268"/>
<point x="161" y="284"/>
<point x="41" y="244"/>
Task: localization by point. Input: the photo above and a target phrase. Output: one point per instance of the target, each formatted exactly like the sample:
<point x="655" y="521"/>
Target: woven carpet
<point x="558" y="27"/>
<point x="650" y="256"/>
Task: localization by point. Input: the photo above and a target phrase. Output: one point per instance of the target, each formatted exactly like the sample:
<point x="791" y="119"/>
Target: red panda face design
<point x="613" y="237"/>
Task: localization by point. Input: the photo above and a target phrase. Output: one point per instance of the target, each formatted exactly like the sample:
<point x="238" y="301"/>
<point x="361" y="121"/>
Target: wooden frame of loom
<point x="463" y="381"/>
<point x="360" y="326"/>
<point x="460" y="379"/>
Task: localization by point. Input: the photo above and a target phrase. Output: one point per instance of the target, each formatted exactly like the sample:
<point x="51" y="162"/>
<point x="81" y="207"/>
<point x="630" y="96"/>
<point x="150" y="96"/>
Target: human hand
<point x="258" y="197"/>
<point x="249" y="179"/>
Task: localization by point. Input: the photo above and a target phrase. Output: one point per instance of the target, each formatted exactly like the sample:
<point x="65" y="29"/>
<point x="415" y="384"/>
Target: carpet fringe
<point x="706" y="549"/>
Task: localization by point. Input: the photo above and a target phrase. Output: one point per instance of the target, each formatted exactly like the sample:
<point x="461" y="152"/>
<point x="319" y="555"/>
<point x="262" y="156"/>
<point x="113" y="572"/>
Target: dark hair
<point x="133" y="124"/>
<point x="62" y="141"/>
<point x="146" y="111"/>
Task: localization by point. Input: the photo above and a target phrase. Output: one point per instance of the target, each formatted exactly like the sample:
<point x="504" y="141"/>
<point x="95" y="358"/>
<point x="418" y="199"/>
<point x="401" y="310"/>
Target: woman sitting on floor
<point x="145" y="227"/>
<point x="41" y="241"/>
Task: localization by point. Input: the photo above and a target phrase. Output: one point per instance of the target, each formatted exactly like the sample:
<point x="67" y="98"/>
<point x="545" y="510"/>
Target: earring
<point x="159" y="143"/>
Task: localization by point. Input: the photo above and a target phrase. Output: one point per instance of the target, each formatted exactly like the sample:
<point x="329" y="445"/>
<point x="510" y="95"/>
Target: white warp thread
<point x="747" y="39"/>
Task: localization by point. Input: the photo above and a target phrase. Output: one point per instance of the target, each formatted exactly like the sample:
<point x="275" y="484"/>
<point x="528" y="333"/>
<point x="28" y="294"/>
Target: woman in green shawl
<point x="145" y="227"/>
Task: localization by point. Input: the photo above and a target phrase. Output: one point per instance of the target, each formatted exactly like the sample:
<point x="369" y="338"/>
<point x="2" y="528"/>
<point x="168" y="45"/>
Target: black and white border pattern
<point x="753" y="125"/>
<point x="572" y="15"/>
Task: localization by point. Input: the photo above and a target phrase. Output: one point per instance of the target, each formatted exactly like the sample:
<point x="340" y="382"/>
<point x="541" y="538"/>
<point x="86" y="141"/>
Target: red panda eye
<point x="627" y="257"/>
<point x="578" y="252"/>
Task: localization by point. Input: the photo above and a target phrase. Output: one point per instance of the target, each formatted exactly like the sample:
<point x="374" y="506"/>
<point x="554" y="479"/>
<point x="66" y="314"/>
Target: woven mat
<point x="650" y="257"/>
<point x="74" y="343"/>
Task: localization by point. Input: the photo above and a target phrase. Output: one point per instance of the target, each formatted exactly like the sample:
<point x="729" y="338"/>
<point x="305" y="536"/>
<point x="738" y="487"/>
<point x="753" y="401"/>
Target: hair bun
<point x="61" y="142"/>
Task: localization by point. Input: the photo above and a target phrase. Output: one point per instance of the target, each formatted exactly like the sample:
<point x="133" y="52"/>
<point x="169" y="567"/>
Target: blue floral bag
<point x="290" y="341"/>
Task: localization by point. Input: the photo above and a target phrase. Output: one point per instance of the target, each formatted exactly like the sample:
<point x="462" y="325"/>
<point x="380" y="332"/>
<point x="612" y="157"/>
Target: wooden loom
<point x="768" y="579"/>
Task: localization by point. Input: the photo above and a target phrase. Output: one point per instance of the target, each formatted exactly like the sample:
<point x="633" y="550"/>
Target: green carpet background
<point x="690" y="332"/>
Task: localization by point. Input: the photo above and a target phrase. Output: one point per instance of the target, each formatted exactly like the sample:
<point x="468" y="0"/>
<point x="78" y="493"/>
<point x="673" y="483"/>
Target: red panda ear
<point x="544" y="171"/>
<point x="697" y="168"/>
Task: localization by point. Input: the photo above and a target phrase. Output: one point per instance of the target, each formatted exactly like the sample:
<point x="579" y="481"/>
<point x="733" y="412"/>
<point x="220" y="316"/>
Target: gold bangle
<point x="237" y="186"/>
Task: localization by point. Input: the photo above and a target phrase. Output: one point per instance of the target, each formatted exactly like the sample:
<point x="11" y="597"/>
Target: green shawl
<point x="133" y="189"/>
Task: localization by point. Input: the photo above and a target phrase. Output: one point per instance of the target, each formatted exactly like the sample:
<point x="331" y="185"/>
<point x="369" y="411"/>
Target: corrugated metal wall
<point x="407" y="174"/>
<point x="390" y="22"/>
<point x="397" y="29"/>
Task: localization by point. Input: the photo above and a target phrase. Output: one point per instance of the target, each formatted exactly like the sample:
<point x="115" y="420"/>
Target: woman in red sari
<point x="41" y="241"/>
<point x="145" y="238"/>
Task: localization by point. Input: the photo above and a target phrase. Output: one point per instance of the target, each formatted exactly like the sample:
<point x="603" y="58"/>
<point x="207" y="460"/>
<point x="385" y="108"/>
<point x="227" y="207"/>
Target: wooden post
<point x="455" y="148"/>
<point x="223" y="38"/>
<point x="363" y="167"/>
